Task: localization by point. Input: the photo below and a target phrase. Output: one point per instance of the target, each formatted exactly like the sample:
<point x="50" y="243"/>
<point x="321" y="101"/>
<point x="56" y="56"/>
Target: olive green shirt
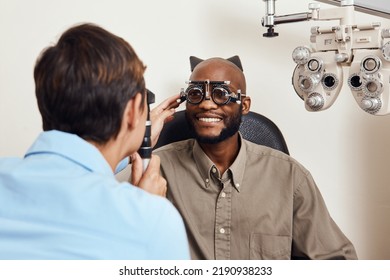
<point x="265" y="206"/>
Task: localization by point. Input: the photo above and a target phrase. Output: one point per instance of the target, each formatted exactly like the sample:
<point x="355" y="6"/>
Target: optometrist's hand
<point x="161" y="114"/>
<point x="149" y="180"/>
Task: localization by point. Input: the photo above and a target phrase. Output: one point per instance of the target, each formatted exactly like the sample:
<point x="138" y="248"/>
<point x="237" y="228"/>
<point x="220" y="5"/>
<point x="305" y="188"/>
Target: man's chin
<point x="214" y="135"/>
<point x="208" y="139"/>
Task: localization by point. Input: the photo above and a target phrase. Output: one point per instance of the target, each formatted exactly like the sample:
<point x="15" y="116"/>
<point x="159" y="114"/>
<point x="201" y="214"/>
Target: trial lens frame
<point x="204" y="88"/>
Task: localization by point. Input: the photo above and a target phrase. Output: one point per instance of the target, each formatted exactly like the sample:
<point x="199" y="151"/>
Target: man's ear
<point x="133" y="111"/>
<point x="246" y="105"/>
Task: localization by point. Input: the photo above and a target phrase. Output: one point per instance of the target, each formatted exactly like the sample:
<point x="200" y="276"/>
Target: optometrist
<point x="61" y="200"/>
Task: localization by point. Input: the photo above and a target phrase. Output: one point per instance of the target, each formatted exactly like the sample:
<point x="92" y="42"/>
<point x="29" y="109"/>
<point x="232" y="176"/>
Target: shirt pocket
<point x="269" y="247"/>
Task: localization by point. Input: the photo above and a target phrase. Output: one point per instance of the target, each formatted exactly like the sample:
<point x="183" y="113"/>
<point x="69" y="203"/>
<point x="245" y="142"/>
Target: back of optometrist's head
<point x="84" y="82"/>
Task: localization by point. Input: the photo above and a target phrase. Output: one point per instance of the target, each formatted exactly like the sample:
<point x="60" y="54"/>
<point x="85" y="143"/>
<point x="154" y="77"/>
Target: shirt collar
<point x="205" y="165"/>
<point x="238" y="167"/>
<point x="71" y="147"/>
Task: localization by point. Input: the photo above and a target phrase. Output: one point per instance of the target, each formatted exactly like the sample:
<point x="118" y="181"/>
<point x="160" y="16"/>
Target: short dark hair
<point x="84" y="82"/>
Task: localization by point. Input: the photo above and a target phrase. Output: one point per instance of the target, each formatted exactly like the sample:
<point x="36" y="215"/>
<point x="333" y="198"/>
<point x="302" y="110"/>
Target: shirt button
<point x="213" y="170"/>
<point x="237" y="185"/>
<point x="222" y="230"/>
<point x="207" y="180"/>
<point x="223" y="194"/>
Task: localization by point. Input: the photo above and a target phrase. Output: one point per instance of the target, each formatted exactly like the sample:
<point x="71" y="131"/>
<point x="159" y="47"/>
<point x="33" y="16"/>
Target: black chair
<point x="254" y="127"/>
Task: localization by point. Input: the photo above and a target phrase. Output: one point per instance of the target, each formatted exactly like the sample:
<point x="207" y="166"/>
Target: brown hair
<point x="84" y="82"/>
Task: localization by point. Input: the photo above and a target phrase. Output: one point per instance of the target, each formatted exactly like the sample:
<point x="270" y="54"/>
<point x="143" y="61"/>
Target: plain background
<point x="346" y="149"/>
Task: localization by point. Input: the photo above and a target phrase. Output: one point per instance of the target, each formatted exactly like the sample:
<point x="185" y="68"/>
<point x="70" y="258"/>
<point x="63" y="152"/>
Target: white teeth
<point x="209" y="120"/>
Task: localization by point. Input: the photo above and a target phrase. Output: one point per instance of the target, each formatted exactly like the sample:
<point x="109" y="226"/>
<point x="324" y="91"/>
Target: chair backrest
<point x="254" y="127"/>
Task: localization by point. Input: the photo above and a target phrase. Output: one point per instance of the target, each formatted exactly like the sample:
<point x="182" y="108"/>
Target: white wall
<point x="345" y="148"/>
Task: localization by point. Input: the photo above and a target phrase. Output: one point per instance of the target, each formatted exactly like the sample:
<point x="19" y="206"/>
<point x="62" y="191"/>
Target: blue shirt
<point x="62" y="201"/>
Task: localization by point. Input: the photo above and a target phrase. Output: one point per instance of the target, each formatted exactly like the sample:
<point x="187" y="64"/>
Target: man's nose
<point x="208" y="103"/>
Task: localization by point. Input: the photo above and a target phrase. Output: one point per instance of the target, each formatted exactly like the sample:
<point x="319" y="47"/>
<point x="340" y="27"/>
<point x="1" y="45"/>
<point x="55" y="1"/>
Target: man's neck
<point x="109" y="152"/>
<point x="224" y="153"/>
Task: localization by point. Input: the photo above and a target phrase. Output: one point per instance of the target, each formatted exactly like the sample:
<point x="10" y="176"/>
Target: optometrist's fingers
<point x="161" y="114"/>
<point x="151" y="180"/>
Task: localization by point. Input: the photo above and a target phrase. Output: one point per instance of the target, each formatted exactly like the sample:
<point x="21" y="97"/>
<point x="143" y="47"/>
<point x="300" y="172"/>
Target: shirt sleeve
<point x="315" y="234"/>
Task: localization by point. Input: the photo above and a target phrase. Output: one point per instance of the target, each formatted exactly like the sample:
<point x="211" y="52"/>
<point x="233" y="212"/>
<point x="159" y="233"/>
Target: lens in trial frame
<point x="220" y="95"/>
<point x="194" y="94"/>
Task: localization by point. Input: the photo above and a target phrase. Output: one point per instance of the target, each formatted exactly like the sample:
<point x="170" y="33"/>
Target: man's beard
<point x="232" y="126"/>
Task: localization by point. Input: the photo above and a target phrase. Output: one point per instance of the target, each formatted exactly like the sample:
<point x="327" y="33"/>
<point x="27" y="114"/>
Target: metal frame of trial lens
<point x="233" y="97"/>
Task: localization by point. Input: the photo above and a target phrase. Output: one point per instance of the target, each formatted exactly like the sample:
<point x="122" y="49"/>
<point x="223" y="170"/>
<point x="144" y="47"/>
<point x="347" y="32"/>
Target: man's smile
<point x="209" y="120"/>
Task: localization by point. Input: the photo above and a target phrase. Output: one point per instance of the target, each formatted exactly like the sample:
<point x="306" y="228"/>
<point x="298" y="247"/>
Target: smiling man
<point x="240" y="200"/>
